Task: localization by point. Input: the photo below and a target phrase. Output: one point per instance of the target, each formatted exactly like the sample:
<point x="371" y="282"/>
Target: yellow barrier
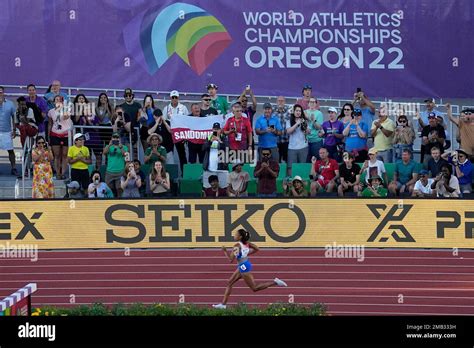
<point x="210" y="223"/>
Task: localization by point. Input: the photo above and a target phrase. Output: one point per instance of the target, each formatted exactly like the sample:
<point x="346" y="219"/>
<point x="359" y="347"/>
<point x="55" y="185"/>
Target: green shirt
<point x="115" y="159"/>
<point x="220" y="104"/>
<point x="314" y="115"/>
<point x="405" y="171"/>
<point x="154" y="157"/>
<point x="382" y="191"/>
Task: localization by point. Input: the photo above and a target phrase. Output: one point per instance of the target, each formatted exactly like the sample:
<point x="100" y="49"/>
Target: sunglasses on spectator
<point x="402" y="121"/>
<point x="468" y="113"/>
<point x="129" y="95"/>
<point x="266" y="154"/>
<point x="174" y="97"/>
<point x="347" y="110"/>
<point x="40" y="142"/>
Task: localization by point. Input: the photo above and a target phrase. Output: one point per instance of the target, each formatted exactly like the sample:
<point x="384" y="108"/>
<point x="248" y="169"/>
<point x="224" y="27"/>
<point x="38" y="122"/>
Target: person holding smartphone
<point x="268" y="129"/>
<point x="130" y="182"/>
<point x="43" y="186"/>
<point x="117" y="154"/>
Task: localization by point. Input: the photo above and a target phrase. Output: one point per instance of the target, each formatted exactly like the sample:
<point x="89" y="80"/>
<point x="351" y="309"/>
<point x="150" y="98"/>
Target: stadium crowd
<point x="348" y="149"/>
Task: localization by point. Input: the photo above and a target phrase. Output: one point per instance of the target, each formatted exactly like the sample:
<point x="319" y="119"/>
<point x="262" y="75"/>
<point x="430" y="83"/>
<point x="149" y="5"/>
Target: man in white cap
<point x="172" y="109"/>
<point x="78" y="157"/>
<point x="73" y="190"/>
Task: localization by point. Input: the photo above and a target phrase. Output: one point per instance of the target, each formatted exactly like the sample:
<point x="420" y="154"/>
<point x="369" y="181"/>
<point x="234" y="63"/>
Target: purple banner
<point x="389" y="48"/>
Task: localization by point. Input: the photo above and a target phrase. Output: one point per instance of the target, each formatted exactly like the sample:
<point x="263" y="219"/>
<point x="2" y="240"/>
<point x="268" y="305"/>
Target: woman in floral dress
<point x="42" y="172"/>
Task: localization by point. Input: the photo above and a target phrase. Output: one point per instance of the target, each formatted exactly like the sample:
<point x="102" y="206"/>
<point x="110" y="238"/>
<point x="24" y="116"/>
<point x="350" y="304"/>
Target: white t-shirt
<point x="453" y="183"/>
<point x="424" y="189"/>
<point x="214" y="156"/>
<point x="169" y="111"/>
<point x="377" y="168"/>
<point x="297" y="139"/>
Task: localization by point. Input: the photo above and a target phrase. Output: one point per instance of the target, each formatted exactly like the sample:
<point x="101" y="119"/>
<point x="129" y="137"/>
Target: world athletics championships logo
<point x="187" y="30"/>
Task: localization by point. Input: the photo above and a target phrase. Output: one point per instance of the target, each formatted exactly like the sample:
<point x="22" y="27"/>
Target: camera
<point x="272" y="126"/>
<point x="120" y="124"/>
<point x="304" y="125"/>
<point x="214" y="133"/>
<point x="358" y="89"/>
<point x="115" y="142"/>
<point x="120" y="113"/>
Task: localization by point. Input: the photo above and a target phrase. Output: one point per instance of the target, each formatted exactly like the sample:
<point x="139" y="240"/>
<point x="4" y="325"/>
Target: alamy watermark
<point x="19" y="251"/>
<point x="345" y="251"/>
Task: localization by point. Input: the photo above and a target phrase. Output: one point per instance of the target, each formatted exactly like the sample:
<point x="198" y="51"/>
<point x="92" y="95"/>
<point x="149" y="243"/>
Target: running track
<point x="431" y="282"/>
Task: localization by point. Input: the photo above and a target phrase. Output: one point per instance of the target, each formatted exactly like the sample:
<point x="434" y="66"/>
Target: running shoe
<point x="279" y="282"/>
<point x="219" y="306"/>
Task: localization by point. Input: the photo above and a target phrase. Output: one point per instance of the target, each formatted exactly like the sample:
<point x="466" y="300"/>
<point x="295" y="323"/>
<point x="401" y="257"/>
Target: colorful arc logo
<point x="187" y="30"/>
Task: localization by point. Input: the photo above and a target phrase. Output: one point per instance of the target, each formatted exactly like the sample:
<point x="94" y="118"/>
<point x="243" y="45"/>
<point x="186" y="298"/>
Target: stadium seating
<point x="191" y="183"/>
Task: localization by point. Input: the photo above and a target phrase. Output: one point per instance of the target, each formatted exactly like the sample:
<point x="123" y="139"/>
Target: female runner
<point x="241" y="251"/>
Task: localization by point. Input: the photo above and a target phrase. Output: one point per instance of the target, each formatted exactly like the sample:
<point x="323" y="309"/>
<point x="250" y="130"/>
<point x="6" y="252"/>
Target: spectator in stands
<point x="84" y="115"/>
<point x="405" y="175"/>
<point x="217" y="102"/>
<point x="268" y="128"/>
<point x="117" y="155"/>
<point x="59" y="125"/>
<point x="238" y="130"/>
<point x="146" y="118"/>
<point x="43" y="186"/>
<point x="436" y="162"/>
<point x="104" y="113"/>
<point x="172" y="109"/>
<point x="250" y="110"/>
<point x="214" y="190"/>
<point x="297" y="128"/>
<point x="121" y="124"/>
<point x="325" y="173"/>
<point x="266" y="172"/>
<point x="163" y="128"/>
<point x="97" y="188"/>
<point x="7" y="128"/>
<point x="206" y="108"/>
<point x="307" y="94"/>
<point x="282" y="112"/>
<point x="362" y="102"/>
<point x="355" y="134"/>
<point x="315" y="122"/>
<point x="432" y="135"/>
<point x="213" y="163"/>
<point x="349" y="175"/>
<point x="137" y="165"/>
<point x="462" y="168"/>
<point x="195" y="150"/>
<point x="374" y="167"/>
<point x="55" y="91"/>
<point x="375" y="188"/>
<point x="238" y="181"/>
<point x="74" y="190"/>
<point x="446" y="184"/>
<point x="465" y="123"/>
<point x="25" y="121"/>
<point x="78" y="156"/>
<point x="42" y="106"/>
<point x="155" y="152"/>
<point x="130" y="182"/>
<point x="382" y="131"/>
<point x="332" y="131"/>
<point x="403" y="137"/>
<point x="294" y="188"/>
<point x="159" y="181"/>
<point x="423" y="121"/>
<point x="133" y="109"/>
<point x="422" y="187"/>
<point x="346" y="114"/>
